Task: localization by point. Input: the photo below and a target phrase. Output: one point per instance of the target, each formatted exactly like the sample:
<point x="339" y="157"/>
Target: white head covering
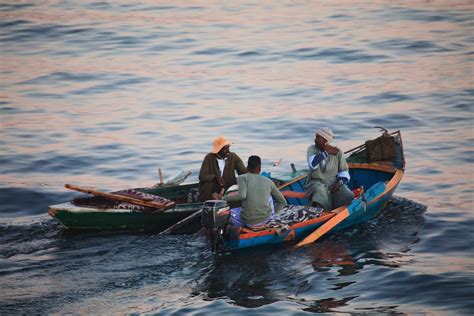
<point x="326" y="133"/>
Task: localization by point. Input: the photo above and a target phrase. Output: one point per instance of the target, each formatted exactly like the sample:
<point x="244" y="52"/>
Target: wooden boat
<point x="100" y="213"/>
<point x="103" y="213"/>
<point x="374" y="178"/>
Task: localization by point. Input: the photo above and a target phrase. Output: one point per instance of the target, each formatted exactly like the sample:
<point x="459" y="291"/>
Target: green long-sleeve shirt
<point x="254" y="191"/>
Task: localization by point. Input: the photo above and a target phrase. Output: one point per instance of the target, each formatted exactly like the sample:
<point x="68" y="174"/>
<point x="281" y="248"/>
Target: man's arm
<point x="239" y="195"/>
<point x="278" y="198"/>
<point x="343" y="176"/>
<point x="239" y="165"/>
<point x="314" y="160"/>
<point x="204" y="174"/>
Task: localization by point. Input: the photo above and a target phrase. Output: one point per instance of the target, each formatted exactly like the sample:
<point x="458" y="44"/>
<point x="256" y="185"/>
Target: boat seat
<point x="302" y="195"/>
<point x="294" y="194"/>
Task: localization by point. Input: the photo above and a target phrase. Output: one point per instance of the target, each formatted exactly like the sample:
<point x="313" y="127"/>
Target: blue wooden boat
<point x="374" y="179"/>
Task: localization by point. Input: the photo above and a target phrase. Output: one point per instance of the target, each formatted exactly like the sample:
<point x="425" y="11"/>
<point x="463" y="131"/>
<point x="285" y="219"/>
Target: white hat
<point x="326" y="133"/>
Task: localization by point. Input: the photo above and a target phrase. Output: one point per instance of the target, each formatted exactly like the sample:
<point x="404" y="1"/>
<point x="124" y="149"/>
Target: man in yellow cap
<point x="326" y="185"/>
<point x="218" y="169"/>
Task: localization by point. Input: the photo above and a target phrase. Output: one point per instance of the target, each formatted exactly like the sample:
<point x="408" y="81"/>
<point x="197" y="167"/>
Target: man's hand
<point x="216" y="196"/>
<point x="331" y="150"/>
<point x="221" y="181"/>
<point x="335" y="187"/>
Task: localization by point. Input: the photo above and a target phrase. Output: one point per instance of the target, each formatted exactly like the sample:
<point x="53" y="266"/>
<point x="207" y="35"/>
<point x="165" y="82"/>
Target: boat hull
<point x="361" y="210"/>
<point x="80" y="218"/>
<point x="88" y="217"/>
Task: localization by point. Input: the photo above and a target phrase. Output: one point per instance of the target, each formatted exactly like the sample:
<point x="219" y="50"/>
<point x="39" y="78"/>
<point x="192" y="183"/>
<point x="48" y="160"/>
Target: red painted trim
<point x="294" y="194"/>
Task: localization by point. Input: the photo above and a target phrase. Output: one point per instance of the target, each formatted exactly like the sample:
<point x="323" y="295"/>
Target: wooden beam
<point x="116" y="197"/>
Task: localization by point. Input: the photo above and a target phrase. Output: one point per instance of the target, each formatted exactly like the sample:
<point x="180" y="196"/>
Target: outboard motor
<point x="215" y="216"/>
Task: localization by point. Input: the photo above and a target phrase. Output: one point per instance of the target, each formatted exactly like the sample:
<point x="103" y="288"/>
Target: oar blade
<point x="323" y="229"/>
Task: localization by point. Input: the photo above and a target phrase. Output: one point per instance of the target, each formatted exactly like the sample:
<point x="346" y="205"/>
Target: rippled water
<point x="104" y="93"/>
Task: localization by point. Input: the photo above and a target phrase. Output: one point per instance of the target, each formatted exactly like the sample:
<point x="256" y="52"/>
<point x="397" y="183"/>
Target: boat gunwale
<point x="389" y="187"/>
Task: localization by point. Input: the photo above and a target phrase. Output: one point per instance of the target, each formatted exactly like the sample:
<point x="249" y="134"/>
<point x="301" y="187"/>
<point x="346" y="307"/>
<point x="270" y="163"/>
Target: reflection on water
<point x="242" y="279"/>
<point x="329" y="254"/>
<point x="257" y="277"/>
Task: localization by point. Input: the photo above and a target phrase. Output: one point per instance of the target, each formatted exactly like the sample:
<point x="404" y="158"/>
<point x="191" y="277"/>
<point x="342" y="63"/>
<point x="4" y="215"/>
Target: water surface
<point x="104" y="93"/>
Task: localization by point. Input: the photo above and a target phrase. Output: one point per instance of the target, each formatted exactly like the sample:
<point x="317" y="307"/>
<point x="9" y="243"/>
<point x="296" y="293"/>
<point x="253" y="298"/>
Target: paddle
<point x="185" y="220"/>
<point x="357" y="206"/>
<point x="181" y="222"/>
<point x="323" y="229"/>
<point x="161" y="206"/>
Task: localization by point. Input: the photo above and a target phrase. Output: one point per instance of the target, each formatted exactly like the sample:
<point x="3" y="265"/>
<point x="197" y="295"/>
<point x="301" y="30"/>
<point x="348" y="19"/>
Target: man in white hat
<point x="326" y="185"/>
<point x="218" y="169"/>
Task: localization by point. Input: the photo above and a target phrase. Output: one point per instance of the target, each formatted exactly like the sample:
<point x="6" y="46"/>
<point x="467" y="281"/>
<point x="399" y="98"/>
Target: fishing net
<point x="289" y="215"/>
<point x="293" y="214"/>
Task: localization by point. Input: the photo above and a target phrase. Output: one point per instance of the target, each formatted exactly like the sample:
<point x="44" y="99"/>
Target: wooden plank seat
<point x="294" y="194"/>
<point x="302" y="195"/>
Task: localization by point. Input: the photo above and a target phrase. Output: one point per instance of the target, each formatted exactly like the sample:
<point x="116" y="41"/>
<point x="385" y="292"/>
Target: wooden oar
<point x="185" y="220"/>
<point x="357" y="206"/>
<point x="181" y="222"/>
<point x="132" y="200"/>
<point x="323" y="229"/>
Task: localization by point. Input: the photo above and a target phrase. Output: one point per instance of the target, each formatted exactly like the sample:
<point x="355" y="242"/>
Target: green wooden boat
<point x="96" y="213"/>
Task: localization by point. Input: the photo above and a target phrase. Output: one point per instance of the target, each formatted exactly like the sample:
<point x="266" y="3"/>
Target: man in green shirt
<point x="255" y="192"/>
